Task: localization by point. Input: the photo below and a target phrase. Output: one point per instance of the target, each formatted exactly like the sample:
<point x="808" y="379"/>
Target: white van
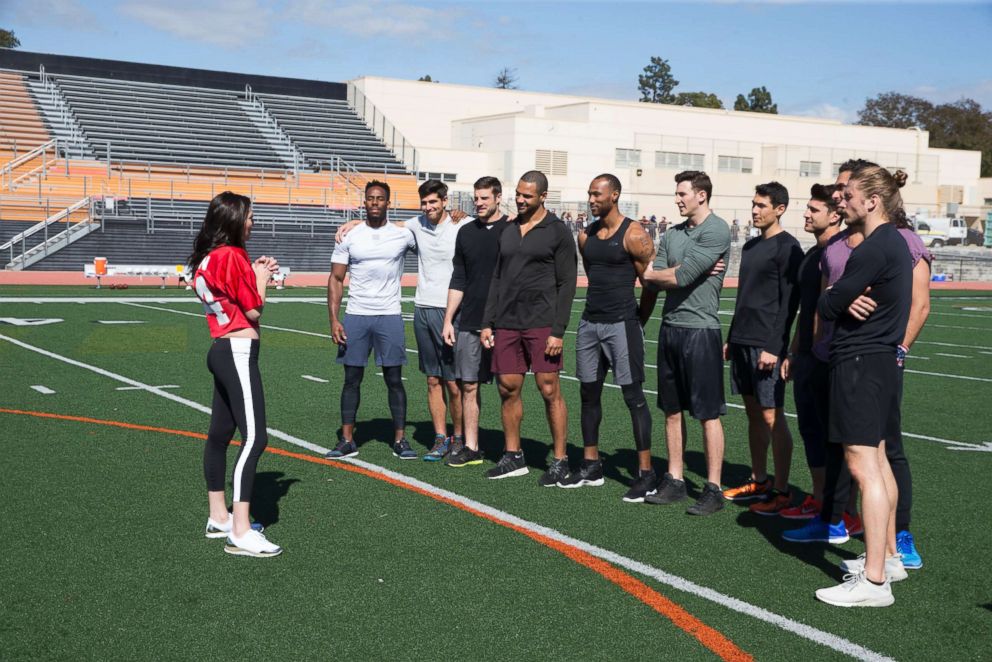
<point x="936" y="232"/>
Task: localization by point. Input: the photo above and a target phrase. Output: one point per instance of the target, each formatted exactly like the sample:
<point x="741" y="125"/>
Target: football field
<point x="105" y="404"/>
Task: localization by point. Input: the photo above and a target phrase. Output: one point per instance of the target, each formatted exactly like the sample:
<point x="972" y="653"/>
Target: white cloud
<point x="980" y="91"/>
<point x="231" y="24"/>
<point x="826" y="111"/>
<point x="373" y="18"/>
<point x="59" y="13"/>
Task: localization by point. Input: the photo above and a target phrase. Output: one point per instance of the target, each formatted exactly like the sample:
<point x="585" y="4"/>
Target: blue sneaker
<point x="816" y="530"/>
<point x="345" y="448"/>
<point x="907" y="548"/>
<point x="402" y="450"/>
<point x="439" y="449"/>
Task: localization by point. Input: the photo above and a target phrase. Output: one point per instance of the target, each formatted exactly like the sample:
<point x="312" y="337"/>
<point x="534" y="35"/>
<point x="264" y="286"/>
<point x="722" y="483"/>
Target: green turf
<point x="105" y="555"/>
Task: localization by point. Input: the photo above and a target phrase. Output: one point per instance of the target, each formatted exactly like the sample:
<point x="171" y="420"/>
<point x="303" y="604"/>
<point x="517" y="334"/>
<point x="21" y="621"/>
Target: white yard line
<point x="315" y="379"/>
<point x="44" y="390"/>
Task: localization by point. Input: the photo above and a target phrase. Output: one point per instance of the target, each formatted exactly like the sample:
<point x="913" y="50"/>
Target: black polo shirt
<point x="476" y="251"/>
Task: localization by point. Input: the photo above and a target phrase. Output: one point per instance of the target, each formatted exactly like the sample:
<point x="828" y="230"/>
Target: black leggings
<point x="351" y="394"/>
<point x="238" y="404"/>
<point x="592" y="413"/>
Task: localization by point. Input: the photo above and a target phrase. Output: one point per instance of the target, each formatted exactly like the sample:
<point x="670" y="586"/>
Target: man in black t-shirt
<point x="767" y="299"/>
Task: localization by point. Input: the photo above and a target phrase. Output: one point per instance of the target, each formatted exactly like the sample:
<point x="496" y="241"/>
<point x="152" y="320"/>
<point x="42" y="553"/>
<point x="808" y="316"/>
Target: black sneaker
<point x="710" y="501"/>
<point x="590" y="473"/>
<point x="669" y="491"/>
<point x="457" y="444"/>
<point x="644" y="485"/>
<point x="463" y="458"/>
<point x="402" y="450"/>
<point x="345" y="448"/>
<point x="510" y="465"/>
<point x="555" y="473"/>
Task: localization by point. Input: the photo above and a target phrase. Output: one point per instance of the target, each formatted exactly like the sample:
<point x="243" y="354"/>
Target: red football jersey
<point x="225" y="283"/>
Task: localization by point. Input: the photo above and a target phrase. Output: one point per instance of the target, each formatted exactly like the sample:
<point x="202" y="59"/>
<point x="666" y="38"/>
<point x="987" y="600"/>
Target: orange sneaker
<point x="853" y="524"/>
<point x="773" y="505"/>
<point x="749" y="490"/>
<point x="808" y="509"/>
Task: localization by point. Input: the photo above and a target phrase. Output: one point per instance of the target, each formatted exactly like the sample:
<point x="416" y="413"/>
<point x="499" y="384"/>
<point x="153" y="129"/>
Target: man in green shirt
<point x="690" y="267"/>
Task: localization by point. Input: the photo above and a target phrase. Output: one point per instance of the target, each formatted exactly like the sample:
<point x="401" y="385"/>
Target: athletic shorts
<point x="864" y="399"/>
<point x="767" y="386"/>
<point x="473" y="362"/>
<point x="437" y="359"/>
<point x="617" y="345"/>
<point x="811" y="390"/>
<point x="383" y="333"/>
<point x="518" y="351"/>
<point x="690" y="372"/>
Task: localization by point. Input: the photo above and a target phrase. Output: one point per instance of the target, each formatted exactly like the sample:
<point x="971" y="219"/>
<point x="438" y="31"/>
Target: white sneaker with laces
<point x="215" y="530"/>
<point x="857" y="591"/>
<point x="252" y="543"/>
<point x="894" y="570"/>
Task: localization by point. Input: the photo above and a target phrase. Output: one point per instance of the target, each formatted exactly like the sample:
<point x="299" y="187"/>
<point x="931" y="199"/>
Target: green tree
<point x="506" y="79"/>
<point x="698" y="100"/>
<point x="758" y="100"/>
<point x="427" y="79"/>
<point x="656" y="83"/>
<point x="8" y="39"/>
<point x="899" y="111"/>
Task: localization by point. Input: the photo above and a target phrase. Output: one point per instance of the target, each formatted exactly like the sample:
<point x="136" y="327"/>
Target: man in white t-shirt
<point x="373" y="252"/>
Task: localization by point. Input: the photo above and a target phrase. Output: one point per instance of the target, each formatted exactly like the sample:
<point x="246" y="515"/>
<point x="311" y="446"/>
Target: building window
<point x="440" y="176"/>
<point x="678" y="160"/>
<point x="551" y="162"/>
<point x="809" y="168"/>
<point x="742" y="164"/>
<point x="628" y="158"/>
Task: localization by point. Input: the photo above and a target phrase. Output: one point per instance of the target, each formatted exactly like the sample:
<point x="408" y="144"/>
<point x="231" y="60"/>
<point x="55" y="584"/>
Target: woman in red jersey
<point x="232" y="289"/>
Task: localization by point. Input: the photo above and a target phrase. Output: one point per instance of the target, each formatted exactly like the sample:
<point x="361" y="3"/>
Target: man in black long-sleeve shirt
<point x="476" y="250"/>
<point x="767" y="299"/>
<point x="529" y="303"/>
<point x="864" y="377"/>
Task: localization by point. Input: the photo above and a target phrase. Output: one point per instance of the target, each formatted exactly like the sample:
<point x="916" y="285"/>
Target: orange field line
<point x="707" y="636"/>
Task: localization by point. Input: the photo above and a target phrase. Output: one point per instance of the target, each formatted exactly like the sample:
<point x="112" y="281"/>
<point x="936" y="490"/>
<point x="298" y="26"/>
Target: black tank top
<point x="610" y="296"/>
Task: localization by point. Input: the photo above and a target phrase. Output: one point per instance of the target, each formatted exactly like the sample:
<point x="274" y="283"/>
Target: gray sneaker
<point x="555" y="473"/>
<point x="710" y="501"/>
<point x="669" y="491"/>
<point x="402" y="450"/>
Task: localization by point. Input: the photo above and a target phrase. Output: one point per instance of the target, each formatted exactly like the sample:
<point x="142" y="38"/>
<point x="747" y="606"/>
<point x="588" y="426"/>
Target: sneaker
<point x="773" y="505"/>
<point x="463" y="458"/>
<point x="857" y="591"/>
<point x="215" y="530"/>
<point x="853" y="525"/>
<point x="816" y="530"/>
<point x="439" y="449"/>
<point x="589" y="474"/>
<point x="710" y="501"/>
<point x="808" y="509"/>
<point x="457" y="444"/>
<point x="749" y="490"/>
<point x="907" y="548"/>
<point x="510" y="465"/>
<point x="345" y="448"/>
<point x="669" y="491"/>
<point x="555" y="473"/>
<point x="252" y="543"/>
<point x="644" y="486"/>
<point x="894" y="569"/>
<point x="402" y="450"/>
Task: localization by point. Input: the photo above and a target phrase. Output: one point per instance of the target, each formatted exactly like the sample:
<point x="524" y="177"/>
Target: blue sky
<point x="817" y="58"/>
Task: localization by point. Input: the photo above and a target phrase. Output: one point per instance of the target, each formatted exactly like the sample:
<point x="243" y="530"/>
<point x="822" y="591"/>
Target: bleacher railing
<point x="405" y="152"/>
<point x="273" y="123"/>
<point x="17" y="247"/>
<point x="18" y="170"/>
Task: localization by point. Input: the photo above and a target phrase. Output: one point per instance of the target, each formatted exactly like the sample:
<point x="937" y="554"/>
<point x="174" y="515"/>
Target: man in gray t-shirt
<point x="690" y="267"/>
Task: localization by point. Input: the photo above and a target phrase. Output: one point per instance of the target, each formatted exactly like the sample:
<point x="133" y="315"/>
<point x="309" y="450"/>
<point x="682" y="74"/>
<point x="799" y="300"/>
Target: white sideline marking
<point x="808" y="632"/>
<point x="44" y="390"/>
<point x="120" y="321"/>
<point x="315" y="379"/>
<point x="141" y="388"/>
<point x="953" y="356"/>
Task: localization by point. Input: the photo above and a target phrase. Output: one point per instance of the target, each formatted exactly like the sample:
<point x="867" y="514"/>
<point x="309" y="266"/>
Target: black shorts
<point x="766" y="386"/>
<point x="690" y="372"/>
<point x="864" y="399"/>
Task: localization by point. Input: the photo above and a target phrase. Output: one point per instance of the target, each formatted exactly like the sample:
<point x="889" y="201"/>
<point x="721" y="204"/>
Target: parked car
<point x="974" y="238"/>
<point x="931" y="237"/>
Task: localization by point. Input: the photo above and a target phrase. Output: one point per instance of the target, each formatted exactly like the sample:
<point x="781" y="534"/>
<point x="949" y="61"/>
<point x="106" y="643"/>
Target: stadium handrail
<point x="382" y="127"/>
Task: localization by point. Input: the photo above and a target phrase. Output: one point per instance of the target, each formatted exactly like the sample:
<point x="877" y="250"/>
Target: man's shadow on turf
<point x="270" y="487"/>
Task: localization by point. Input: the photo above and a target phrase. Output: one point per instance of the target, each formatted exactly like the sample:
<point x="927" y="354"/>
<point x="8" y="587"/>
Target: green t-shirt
<point x="696" y="300"/>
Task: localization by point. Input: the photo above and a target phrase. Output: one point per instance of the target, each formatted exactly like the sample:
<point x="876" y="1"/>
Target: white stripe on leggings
<point x="241" y="350"/>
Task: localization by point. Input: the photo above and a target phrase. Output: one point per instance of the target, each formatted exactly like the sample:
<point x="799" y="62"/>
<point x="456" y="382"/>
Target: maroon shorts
<point x="518" y="351"/>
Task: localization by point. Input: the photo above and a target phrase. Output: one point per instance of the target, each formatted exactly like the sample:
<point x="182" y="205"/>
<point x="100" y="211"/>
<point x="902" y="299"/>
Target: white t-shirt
<point x="375" y="261"/>
<point x="435" y="250"/>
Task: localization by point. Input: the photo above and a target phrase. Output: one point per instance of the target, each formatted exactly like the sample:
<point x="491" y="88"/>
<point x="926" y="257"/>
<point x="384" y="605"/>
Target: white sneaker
<point x="252" y="543"/>
<point x="857" y="591"/>
<point x="894" y="570"/>
<point x="215" y="530"/>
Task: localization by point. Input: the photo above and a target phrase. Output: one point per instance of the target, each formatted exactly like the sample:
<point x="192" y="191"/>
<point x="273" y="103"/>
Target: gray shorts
<point x="383" y="333"/>
<point x="436" y="358"/>
<point x="473" y="362"/>
<point x="766" y="386"/>
<point x="617" y="345"/>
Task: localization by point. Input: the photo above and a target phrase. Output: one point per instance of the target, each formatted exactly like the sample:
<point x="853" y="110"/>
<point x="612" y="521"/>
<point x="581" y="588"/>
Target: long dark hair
<point x="224" y="225"/>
